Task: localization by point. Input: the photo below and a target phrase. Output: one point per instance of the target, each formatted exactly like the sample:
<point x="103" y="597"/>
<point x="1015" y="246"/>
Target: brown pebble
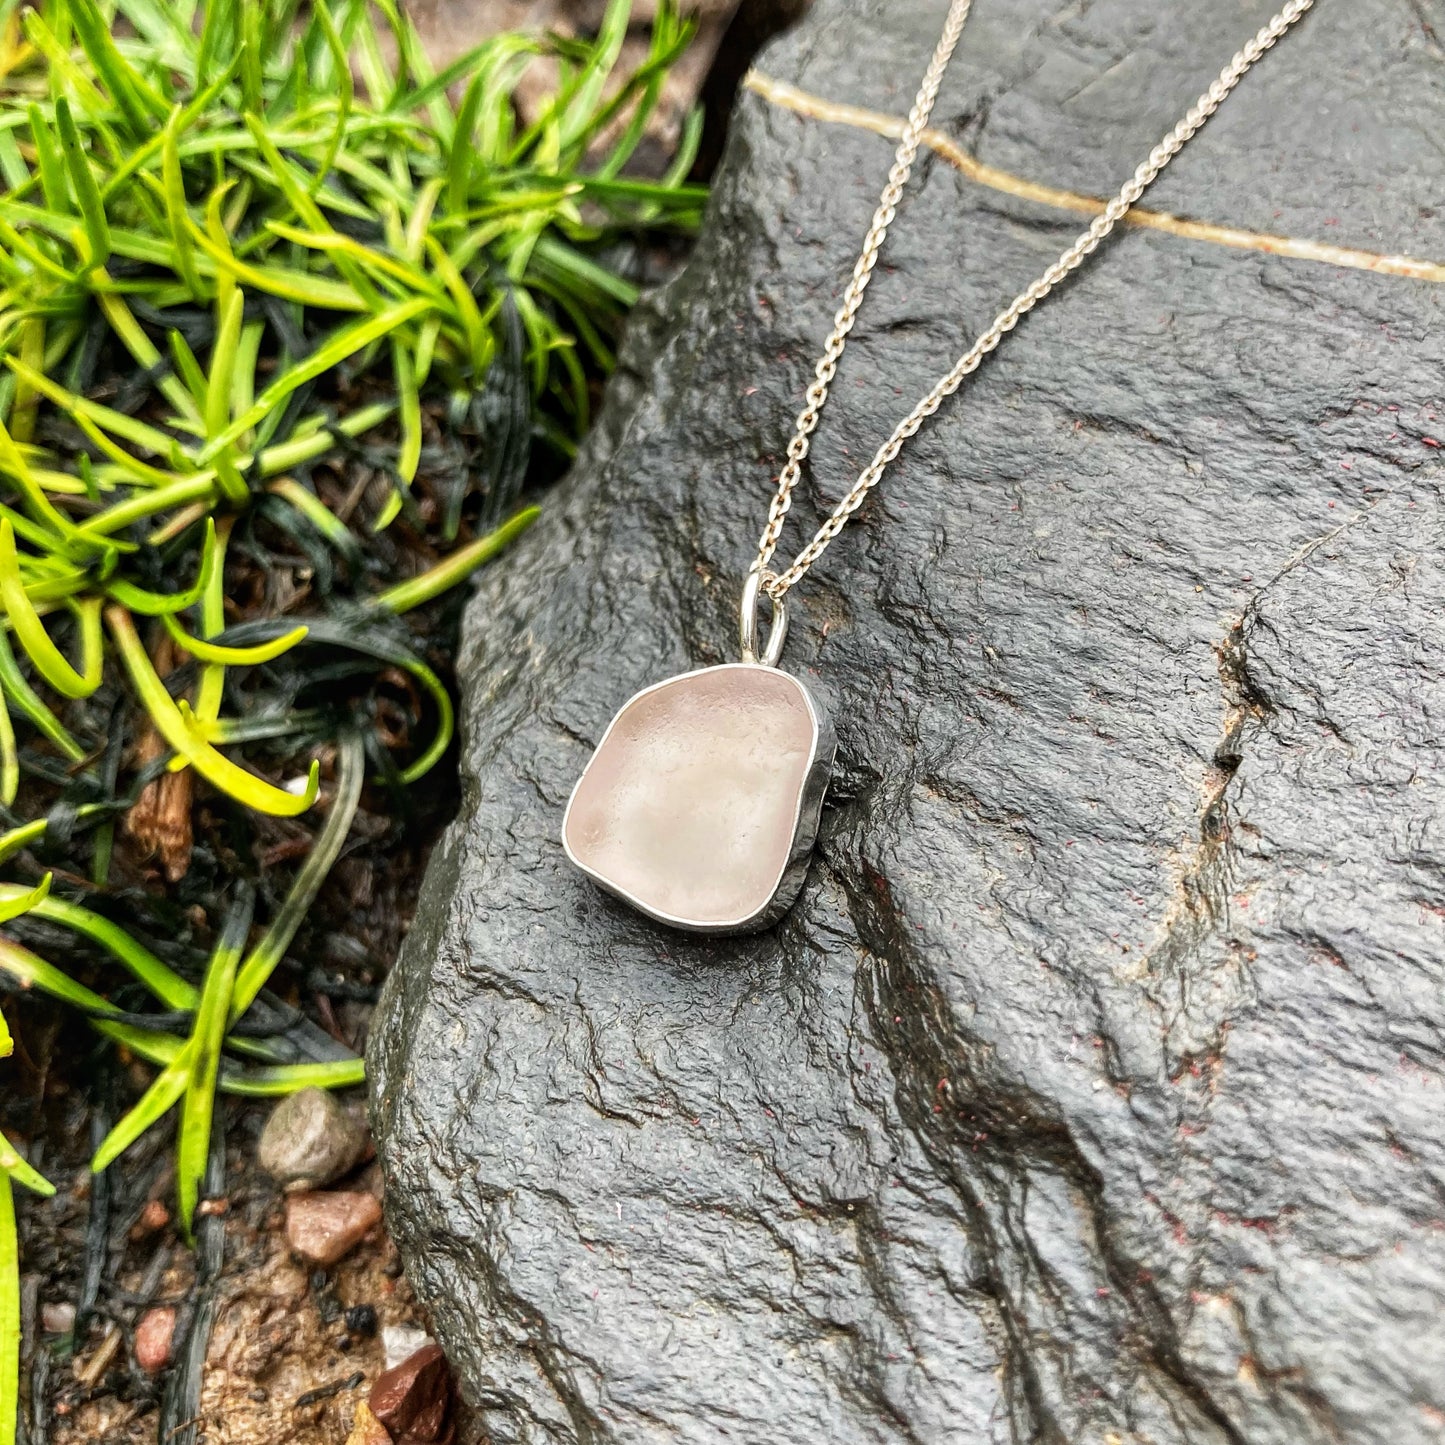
<point x="413" y="1399"/>
<point x="322" y="1228"/>
<point x="153" y="1336"/>
<point x="153" y="1217"/>
<point x="366" y="1429"/>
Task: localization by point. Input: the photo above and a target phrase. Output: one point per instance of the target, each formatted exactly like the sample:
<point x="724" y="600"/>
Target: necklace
<point x="701" y="803"/>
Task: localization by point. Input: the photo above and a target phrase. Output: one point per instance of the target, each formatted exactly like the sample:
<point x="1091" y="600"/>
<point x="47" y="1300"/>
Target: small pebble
<point x="366" y="1429"/>
<point x="153" y="1336"/>
<point x="57" y="1319"/>
<point x="400" y="1342"/>
<point x="155" y="1216"/>
<point x="310" y="1141"/>
<point x="323" y="1228"/>
<point x="413" y="1399"/>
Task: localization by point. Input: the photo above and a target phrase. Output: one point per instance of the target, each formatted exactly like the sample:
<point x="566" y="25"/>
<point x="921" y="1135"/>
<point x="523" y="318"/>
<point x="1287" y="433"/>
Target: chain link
<point x="776" y="585"/>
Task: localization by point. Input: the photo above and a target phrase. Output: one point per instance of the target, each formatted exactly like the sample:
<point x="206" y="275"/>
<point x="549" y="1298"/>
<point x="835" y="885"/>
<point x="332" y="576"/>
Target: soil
<point x="291" y="1353"/>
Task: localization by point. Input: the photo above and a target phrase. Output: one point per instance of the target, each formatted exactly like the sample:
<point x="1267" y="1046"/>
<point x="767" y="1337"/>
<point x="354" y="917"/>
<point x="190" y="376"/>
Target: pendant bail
<point x="748" y="621"/>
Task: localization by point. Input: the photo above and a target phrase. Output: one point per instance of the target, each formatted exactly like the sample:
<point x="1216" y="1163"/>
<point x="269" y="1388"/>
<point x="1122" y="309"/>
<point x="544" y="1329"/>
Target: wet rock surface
<point x="1093" y="1090"/>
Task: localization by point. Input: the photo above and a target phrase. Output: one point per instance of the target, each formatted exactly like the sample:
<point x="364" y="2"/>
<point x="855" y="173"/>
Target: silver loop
<point x="748" y="622"/>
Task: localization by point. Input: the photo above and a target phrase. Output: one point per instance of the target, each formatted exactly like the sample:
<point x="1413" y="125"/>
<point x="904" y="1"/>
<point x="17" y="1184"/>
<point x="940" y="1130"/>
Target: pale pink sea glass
<point x="690" y="806"/>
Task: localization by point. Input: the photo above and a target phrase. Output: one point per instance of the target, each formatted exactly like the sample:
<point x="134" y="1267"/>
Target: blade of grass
<point x="232" y="656"/>
<point x="305" y="206"/>
<point x="163" y="604"/>
<point x="49" y="165"/>
<point x="403" y="596"/>
<point x="261" y="962"/>
<point x="573" y="109"/>
<point x="19" y="692"/>
<point x="461" y="156"/>
<point x="278" y="1079"/>
<point x="30" y="631"/>
<point x="168" y="986"/>
<point x="9" y="759"/>
<point x="163" y="1095"/>
<point x="12" y="1168"/>
<point x="25" y="402"/>
<point x="82" y="409"/>
<point x="187" y="367"/>
<point x="193" y="1142"/>
<point x="479" y="338"/>
<point x="339" y="346"/>
<point x="201" y="486"/>
<point x="409" y="409"/>
<point x="141" y="106"/>
<point x="289" y="284"/>
<point x="177" y="726"/>
<point x="341" y="68"/>
<point x="27" y="970"/>
<point x="22" y="901"/>
<point x="218" y="392"/>
<point x="213" y="620"/>
<point x="13" y="465"/>
<point x="319" y="515"/>
<point x="386" y="268"/>
<point x="175" y="200"/>
<point x="16" y="1168"/>
<point x="82" y="179"/>
<point x="10" y="1296"/>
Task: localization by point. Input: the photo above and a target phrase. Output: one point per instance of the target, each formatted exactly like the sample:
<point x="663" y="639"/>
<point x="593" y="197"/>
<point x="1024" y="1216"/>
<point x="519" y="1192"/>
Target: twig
<point x="325" y="1392"/>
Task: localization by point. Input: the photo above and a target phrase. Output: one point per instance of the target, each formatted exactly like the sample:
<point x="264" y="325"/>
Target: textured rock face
<point x="1093" y="1091"/>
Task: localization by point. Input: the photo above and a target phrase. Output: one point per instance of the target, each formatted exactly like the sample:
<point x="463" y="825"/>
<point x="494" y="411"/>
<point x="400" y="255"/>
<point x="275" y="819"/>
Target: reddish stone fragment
<point x="323" y="1228"/>
<point x="153" y="1217"/>
<point x="413" y="1400"/>
<point x="153" y="1337"/>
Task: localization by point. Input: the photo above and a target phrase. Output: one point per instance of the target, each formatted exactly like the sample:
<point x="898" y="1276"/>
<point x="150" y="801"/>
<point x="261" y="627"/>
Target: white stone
<point x="693" y="806"/>
<point x="401" y="1342"/>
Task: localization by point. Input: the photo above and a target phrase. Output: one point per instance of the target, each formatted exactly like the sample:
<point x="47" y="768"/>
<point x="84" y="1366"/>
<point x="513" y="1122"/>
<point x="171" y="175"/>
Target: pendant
<point x="701" y="803"/>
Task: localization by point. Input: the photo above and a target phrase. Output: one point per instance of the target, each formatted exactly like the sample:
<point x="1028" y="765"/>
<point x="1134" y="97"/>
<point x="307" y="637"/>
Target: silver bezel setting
<point x="805" y="817"/>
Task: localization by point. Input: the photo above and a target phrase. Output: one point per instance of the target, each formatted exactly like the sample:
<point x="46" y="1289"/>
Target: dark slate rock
<point x="1093" y="1092"/>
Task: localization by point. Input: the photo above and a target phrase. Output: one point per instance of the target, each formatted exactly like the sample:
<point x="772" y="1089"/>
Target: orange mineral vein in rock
<point x="690" y="804"/>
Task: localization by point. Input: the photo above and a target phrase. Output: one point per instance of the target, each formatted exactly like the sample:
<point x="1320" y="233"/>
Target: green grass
<point x="13" y="1170"/>
<point x="272" y="292"/>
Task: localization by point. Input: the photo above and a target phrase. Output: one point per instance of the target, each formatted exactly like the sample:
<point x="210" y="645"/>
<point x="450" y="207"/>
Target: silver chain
<point x="776" y="585"/>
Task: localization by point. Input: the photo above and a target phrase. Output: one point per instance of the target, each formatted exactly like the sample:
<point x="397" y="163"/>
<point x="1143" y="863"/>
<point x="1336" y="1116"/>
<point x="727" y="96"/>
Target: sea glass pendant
<point x="701" y="803"/>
